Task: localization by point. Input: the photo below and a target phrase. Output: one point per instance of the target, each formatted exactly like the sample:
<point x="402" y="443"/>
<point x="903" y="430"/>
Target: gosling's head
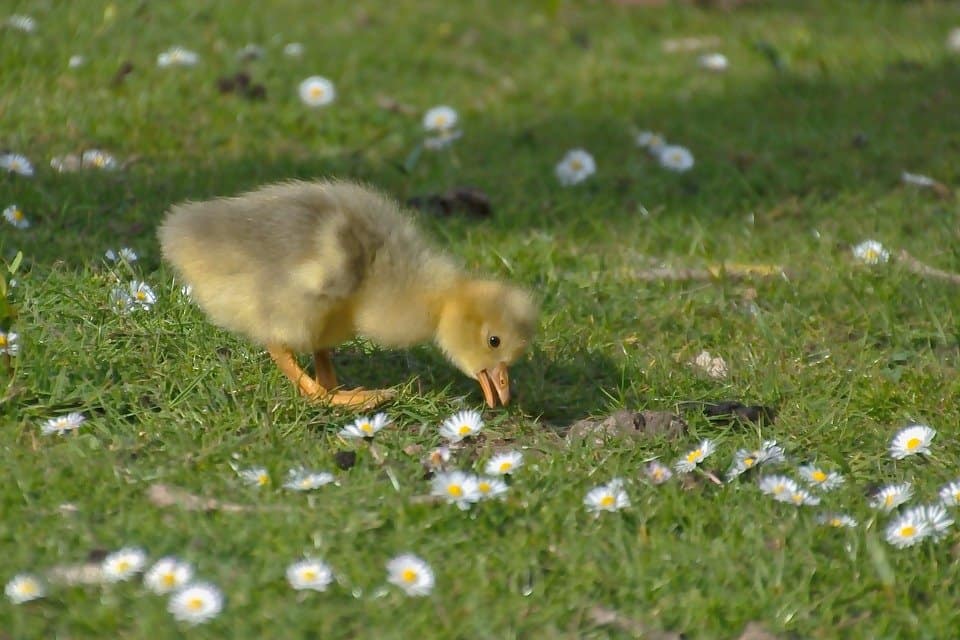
<point x="484" y="327"/>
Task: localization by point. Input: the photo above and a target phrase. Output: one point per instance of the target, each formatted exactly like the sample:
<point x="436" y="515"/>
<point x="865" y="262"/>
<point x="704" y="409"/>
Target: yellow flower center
<point x="484" y="487"/>
<point x="408" y="575"/>
<point x="576" y="165"/>
<point x="123" y="565"/>
<point x="309" y="575"/>
<point x="455" y="490"/>
<point x="607" y="501"/>
<point x="263" y="479"/>
<point x="748" y="462"/>
<point x="818" y="476"/>
<point x="465" y="430"/>
<point x="316" y="91"/>
<point x="168" y="580"/>
<point x="956" y="495"/>
<point x="836" y="522"/>
<point x="305" y="483"/>
<point x="797" y="498"/>
<point x="908" y="531"/>
<point x="871" y="254"/>
<point x="888" y="501"/>
<point x="440" y="121"/>
<point x="195" y="603"/>
<point x="913" y="443"/>
<point x="28" y="588"/>
<point x="657" y="474"/>
<point x="17" y="215"/>
<point x="366" y="427"/>
<point x="778" y="489"/>
<point x="3" y="340"/>
<point x="694" y="456"/>
<point x="504" y="466"/>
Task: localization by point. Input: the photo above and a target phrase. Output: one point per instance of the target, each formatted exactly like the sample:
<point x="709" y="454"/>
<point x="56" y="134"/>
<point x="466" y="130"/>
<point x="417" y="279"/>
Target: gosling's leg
<point x="352" y="399"/>
<point x="323" y="365"/>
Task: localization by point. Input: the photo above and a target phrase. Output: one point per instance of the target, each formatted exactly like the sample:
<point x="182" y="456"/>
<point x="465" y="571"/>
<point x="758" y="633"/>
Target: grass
<point x="847" y="354"/>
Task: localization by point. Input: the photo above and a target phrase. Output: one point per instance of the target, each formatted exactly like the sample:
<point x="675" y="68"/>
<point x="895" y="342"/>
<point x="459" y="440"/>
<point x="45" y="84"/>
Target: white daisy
<point x="713" y="62"/>
<point x="676" y="158"/>
<point x="412" y="574"/>
<point x="65" y="164"/>
<point x="743" y="461"/>
<point x="186" y="291"/>
<point x="75" y="61"/>
<point x="908" y="529"/>
<point x="461" y="425"/>
<point x="937" y="519"/>
<point x="16" y="163"/>
<point x="489" y="488"/>
<point x="953" y="40"/>
<point x="917" y="179"/>
<point x="575" y="167"/>
<point x="442" y="140"/>
<point x="911" y="440"/>
<point x="177" y="57"/>
<point x="22" y="23"/>
<point x="365" y="427"/>
<point x="798" y="497"/>
<point x="689" y="462"/>
<point x="657" y="472"/>
<point x="126" y="254"/>
<point x="24" y="587"/>
<point x="771" y="453"/>
<point x="779" y="487"/>
<point x="837" y="520"/>
<point x="607" y="497"/>
<point x="62" y="425"/>
<point x="15" y="216"/>
<point x="456" y="487"/>
<point x="651" y="141"/>
<point x="141" y="295"/>
<point x="503" y="463"/>
<point x="304" y="480"/>
<point x="309" y="574"/>
<point x="256" y="476"/>
<point x="196" y="603"/>
<point x="950" y="494"/>
<point x="168" y="574"/>
<point x="317" y="91"/>
<point x="440" y="119"/>
<point x="97" y="159"/>
<point x="891" y="496"/>
<point x="120" y="300"/>
<point x="817" y="477"/>
<point x="9" y="343"/>
<point x="437" y="459"/>
<point x="123" y="564"/>
<point x="293" y="49"/>
<point x="871" y="252"/>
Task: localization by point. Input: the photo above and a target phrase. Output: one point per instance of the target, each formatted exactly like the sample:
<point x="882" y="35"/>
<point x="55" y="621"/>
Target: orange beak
<point x="495" y="384"/>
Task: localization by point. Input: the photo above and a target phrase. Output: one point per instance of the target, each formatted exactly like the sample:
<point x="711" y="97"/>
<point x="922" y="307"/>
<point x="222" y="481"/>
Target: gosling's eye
<point x="494" y="341"/>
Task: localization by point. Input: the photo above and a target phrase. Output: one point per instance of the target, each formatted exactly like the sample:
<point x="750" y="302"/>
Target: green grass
<point x="847" y="354"/>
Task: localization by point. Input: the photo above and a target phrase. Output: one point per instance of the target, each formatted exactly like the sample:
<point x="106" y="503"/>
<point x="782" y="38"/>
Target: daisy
<point x="120" y="300"/>
<point x="16" y="163"/>
<point x="911" y="440"/>
<point x="24" y="587"/>
<point x="503" y="463"/>
<point x="676" y="158"/>
<point x="461" y="425"/>
<point x="437" y="459"/>
<point x="575" y="167"/>
<point x="123" y="564"/>
<point x="97" y="159"/>
<point x="303" y="480"/>
<point x="63" y="424"/>
<point x="607" y="497"/>
<point x="817" y="477"/>
<point x="690" y="461"/>
<point x="14" y="215"/>
<point x="309" y="574"/>
<point x="75" y="61"/>
<point x="743" y="461"/>
<point x="891" y="496"/>
<point x="870" y="252"/>
<point x="909" y="529"/>
<point x="293" y="50"/>
<point x="186" y="291"/>
<point x="440" y="119"/>
<point x="455" y="487"/>
<point x="256" y="476"/>
<point x="22" y="23"/>
<point x="126" y="254"/>
<point x="713" y="62"/>
<point x="937" y="519"/>
<point x="837" y="520"/>
<point x="168" y="574"/>
<point x="197" y="603"/>
<point x="177" y="57"/>
<point x="778" y="486"/>
<point x="657" y="472"/>
<point x="770" y="453"/>
<point x="317" y="91"/>
<point x="651" y="141"/>
<point x="142" y="295"/>
<point x="488" y="488"/>
<point x="798" y="497"/>
<point x="917" y="179"/>
<point x="950" y="494"/>
<point x="412" y="574"/>
<point x="365" y="427"/>
<point x="65" y="164"/>
<point x="9" y="343"/>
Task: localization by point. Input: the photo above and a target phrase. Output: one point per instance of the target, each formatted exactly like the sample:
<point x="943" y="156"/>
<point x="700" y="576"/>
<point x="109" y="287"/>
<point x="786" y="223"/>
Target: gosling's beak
<point x="496" y="379"/>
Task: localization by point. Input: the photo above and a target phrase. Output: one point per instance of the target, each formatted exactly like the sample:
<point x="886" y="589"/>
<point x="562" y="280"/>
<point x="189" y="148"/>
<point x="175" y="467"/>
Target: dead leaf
<point x="915" y="266"/>
<point x="76" y="574"/>
<point x="468" y="200"/>
<point x="125" y="69"/>
<point x="345" y="459"/>
<point x="605" y="617"/>
<point x="413" y="450"/>
<point x="164" y="496"/>
<point x="756" y="631"/>
<point x="727" y="412"/>
<point x="391" y="104"/>
<point x="633" y="424"/>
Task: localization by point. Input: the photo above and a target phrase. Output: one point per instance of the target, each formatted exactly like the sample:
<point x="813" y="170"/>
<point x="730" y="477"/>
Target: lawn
<point x="799" y="148"/>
